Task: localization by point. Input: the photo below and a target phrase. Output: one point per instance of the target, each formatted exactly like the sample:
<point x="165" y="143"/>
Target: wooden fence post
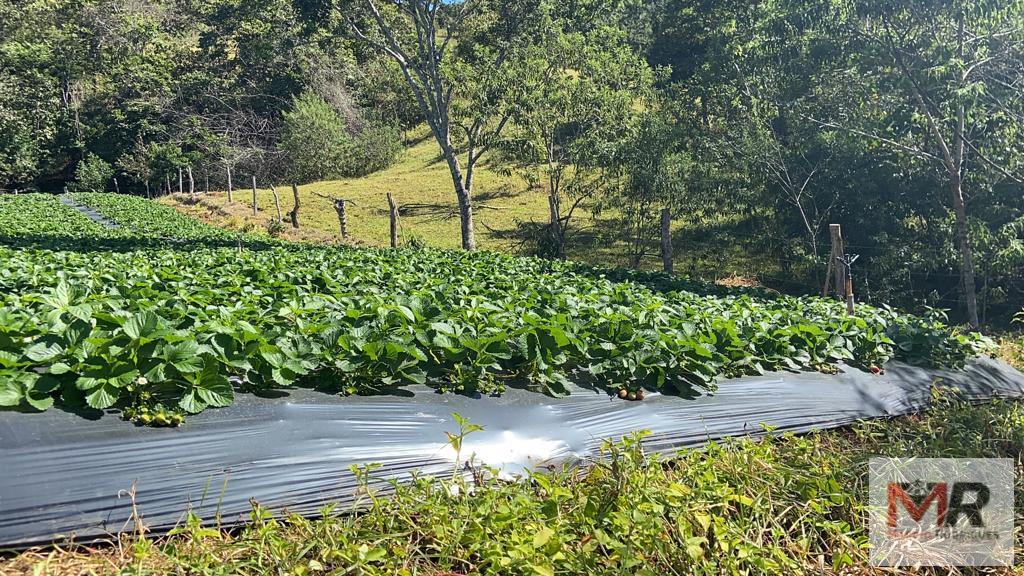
<point x="277" y="201"/>
<point x="253" y="195"/>
<point x="206" y="177"/>
<point x="849" y="292"/>
<point x="666" y="240"/>
<point x="191" y="181"/>
<point x="339" y="207"/>
<point x="393" y="212"/>
<point x="148" y="193"/>
<point x="294" y="214"/>
<point x="168" y="177"/>
<point x="181" y="182"/>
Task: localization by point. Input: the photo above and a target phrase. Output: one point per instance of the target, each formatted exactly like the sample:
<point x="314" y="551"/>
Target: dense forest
<point x="759" y="122"/>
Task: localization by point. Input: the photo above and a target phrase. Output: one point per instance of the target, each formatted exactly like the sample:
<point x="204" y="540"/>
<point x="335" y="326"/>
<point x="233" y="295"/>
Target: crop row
<point x="167" y="325"/>
<point x="41" y="217"/>
<point x="139" y="216"/>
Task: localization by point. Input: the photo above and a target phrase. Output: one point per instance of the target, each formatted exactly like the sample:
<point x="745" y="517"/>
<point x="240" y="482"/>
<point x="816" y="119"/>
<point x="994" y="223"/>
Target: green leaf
<point x="191" y="402"/>
<point x="443" y="327"/>
<point x="59" y="368"/>
<point x="184" y="356"/>
<point x="212" y="387"/>
<point x="9" y="359"/>
<point x="542" y="537"/>
<point x="141" y="325"/>
<point x="103" y="396"/>
<point x="39" y="400"/>
<point x="407" y="312"/>
<point x="43" y="352"/>
<point x="11" y="393"/>
<point x="542" y="570"/>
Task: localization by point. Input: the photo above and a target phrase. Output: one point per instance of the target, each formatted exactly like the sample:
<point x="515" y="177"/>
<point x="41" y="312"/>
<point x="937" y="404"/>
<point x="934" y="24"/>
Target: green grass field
<point x="507" y="208"/>
<point x="419" y="181"/>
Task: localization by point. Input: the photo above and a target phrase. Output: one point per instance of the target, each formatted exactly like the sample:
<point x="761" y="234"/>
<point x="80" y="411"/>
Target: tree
<point x="653" y="168"/>
<point x="579" y="88"/>
<point x="947" y="78"/>
<point x="93" y="174"/>
<point x="458" y="61"/>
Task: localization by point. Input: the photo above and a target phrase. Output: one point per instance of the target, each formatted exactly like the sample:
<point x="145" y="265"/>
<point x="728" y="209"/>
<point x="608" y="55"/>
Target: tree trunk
<point x="230" y="199"/>
<point x="168" y="178"/>
<point x="191" y="182"/>
<point x="555" y="223"/>
<point x="466" y="219"/>
<point x="666" y="240"/>
<point x="464" y="195"/>
<point x="277" y="202"/>
<point x="294" y="214"/>
<point x="117" y="187"/>
<point x="206" y="179"/>
<point x="148" y="193"/>
<point x="836" y="233"/>
<point x="963" y="234"/>
<point x="393" y="212"/>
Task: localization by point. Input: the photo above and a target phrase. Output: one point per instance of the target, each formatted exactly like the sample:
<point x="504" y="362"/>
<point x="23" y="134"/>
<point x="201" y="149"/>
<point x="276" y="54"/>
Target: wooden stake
<point x="168" y="183"/>
<point x="230" y="199"/>
<point x="849" y="293"/>
<point x="148" y="194"/>
<point x="191" y="182"/>
<point x="253" y="195"/>
<point x="181" y="182"/>
<point x="666" y="240"/>
<point x="294" y="214"/>
<point x="206" y="177"/>
<point x="277" y="202"/>
<point x="393" y="212"/>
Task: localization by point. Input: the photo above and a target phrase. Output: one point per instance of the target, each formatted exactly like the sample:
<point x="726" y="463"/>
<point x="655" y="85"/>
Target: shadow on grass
<point x="528" y="238"/>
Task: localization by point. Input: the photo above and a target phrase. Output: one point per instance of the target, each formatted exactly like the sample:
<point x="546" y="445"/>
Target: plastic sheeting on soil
<point x="63" y="475"/>
<point x="89" y="212"/>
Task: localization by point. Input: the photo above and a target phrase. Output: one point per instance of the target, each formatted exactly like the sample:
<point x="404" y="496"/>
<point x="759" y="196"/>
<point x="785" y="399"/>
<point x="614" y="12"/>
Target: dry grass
<point x="1011" y="350"/>
<point x="738" y="281"/>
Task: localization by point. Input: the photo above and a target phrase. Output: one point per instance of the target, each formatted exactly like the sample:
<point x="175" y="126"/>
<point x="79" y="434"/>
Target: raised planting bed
<point x="65" y="476"/>
<point x="336" y="356"/>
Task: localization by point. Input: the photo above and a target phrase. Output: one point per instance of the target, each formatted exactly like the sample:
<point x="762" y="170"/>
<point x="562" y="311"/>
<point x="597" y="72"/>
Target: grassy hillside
<point x="507" y="209"/>
<point x="420" y="183"/>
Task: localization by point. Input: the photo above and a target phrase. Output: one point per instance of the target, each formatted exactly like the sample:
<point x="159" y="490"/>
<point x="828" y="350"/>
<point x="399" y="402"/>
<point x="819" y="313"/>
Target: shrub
<point x="375" y="148"/>
<point x="92" y="175"/>
<point x="314" y="140"/>
<point x="274" y="227"/>
<point x="320" y="144"/>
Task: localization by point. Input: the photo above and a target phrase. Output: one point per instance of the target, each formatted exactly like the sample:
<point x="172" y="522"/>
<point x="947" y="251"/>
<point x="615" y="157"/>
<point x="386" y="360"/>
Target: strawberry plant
<point x="164" y="314"/>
